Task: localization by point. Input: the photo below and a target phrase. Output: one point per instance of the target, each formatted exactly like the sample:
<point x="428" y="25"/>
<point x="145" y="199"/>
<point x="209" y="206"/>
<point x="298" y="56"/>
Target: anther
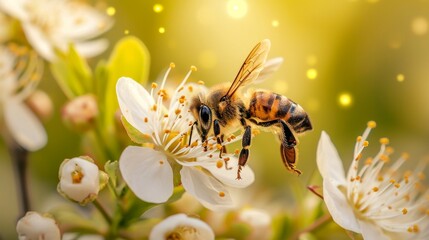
<point x="365" y="143"/>
<point x="201" y="82"/>
<point x="221" y="194"/>
<point x="404" y="211"/>
<point x="219" y="164"/>
<point x="384" y="141"/>
<point x="172" y="65"/>
<point x="375" y="189"/>
<point x="359" y="138"/>
<point x="177" y="111"/>
<point x="154" y="85"/>
<point x="405" y="156"/>
<point x="145" y="120"/>
<point x="193" y="68"/>
<point x="371" y="124"/>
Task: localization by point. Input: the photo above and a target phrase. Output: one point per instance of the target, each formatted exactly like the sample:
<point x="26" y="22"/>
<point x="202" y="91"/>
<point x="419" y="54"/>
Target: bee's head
<point x="204" y="120"/>
<point x="203" y="115"/>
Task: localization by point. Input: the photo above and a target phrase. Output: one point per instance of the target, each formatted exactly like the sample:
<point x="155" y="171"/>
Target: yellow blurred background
<point x="345" y="61"/>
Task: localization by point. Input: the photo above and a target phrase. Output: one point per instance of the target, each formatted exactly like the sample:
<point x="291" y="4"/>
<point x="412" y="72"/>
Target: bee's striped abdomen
<point x="267" y="106"/>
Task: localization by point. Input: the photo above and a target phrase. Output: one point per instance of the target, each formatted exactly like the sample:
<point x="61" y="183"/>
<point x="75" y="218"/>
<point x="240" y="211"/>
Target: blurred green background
<point x="346" y="62"/>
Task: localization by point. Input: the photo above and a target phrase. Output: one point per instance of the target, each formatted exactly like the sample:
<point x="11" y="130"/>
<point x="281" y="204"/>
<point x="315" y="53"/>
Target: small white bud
<point x="260" y="222"/>
<point x="80" y="113"/>
<point x="80" y="180"/>
<point x="41" y="104"/>
<point x="34" y="226"/>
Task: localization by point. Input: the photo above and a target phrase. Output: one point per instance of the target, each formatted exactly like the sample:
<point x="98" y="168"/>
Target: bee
<point x="225" y="109"/>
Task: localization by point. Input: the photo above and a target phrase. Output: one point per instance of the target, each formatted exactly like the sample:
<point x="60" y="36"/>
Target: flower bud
<point x="80" y="113"/>
<point x="80" y="180"/>
<point x="259" y="221"/>
<point x="41" y="104"/>
<point x="34" y="226"/>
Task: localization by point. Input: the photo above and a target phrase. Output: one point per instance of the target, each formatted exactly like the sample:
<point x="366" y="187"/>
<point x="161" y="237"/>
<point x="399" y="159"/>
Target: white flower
<point x="148" y="171"/>
<point x="80" y="179"/>
<point x="373" y="199"/>
<point x="259" y="221"/>
<point x="20" y="72"/>
<point x="34" y="226"/>
<point x="182" y="227"/>
<point x="51" y="25"/>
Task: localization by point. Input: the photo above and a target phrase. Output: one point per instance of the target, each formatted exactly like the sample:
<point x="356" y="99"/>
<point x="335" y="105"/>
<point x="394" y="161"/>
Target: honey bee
<point x="224" y="109"/>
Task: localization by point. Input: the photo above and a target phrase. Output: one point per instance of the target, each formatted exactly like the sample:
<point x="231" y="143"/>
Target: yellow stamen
<point x="371" y="124"/>
<point x="177" y="111"/>
<point x="375" y="189"/>
<point x="221" y="194"/>
<point x="359" y="138"/>
<point x="384" y="141"/>
<point x="219" y="164"/>
<point x="405" y="156"/>
<point x="201" y="82"/>
<point x="154" y="85"/>
<point x="172" y="65"/>
<point x="365" y="144"/>
<point x="404" y="211"/>
<point x="76" y="176"/>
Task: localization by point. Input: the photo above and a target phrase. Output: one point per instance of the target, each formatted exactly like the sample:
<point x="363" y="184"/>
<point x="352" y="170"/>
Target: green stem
<point x="103" y="212"/>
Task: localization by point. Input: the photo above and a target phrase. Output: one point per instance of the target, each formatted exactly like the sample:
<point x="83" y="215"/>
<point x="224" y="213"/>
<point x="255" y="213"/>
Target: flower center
<point x="183" y="233"/>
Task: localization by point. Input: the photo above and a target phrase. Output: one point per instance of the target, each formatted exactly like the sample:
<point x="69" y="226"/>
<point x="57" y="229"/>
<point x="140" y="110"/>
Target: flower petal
<point x="338" y="206"/>
<point x="328" y="160"/>
<point x="24" y="126"/>
<point x="208" y="190"/>
<point x="39" y="41"/>
<point x="147" y="173"/>
<point x="15" y="8"/>
<point x="372" y="231"/>
<point x="92" y="48"/>
<point x="229" y="176"/>
<point x="135" y="103"/>
<point x="201" y="229"/>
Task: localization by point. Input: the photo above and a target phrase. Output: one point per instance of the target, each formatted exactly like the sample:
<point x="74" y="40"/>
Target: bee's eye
<point x="205" y="117"/>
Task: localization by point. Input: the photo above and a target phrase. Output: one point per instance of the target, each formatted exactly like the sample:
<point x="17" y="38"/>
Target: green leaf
<point x="130" y="58"/>
<point x="72" y="73"/>
<point x="111" y="168"/>
<point x="134" y="134"/>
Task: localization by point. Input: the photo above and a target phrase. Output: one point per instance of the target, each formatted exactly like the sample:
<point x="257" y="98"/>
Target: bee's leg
<point x="244" y="154"/>
<point x="191" y="131"/>
<point x="288" y="143"/>
<point x="288" y="150"/>
<point x="219" y="139"/>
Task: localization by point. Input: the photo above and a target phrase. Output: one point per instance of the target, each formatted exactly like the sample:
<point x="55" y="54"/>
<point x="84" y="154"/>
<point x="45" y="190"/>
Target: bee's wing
<point x="251" y="67"/>
<point x="270" y="67"/>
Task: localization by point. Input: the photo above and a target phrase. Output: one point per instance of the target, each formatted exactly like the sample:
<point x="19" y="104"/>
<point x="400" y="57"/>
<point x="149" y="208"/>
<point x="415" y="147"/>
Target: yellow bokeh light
<point x="110" y="11"/>
<point x="161" y="30"/>
<point x="400" y="77"/>
<point x="126" y="31"/>
<point x="311" y="60"/>
<point x="419" y="26"/>
<point x="275" y="23"/>
<point x="345" y="99"/>
<point x="311" y="73"/>
<point x="236" y="8"/>
<point x="158" y="8"/>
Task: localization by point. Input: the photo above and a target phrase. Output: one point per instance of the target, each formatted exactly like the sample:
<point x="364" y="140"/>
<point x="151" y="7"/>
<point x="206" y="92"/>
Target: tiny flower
<point x="80" y="113"/>
<point x="259" y="221"/>
<point x="51" y="25"/>
<point x="182" y="227"/>
<point x="376" y="198"/>
<point x="20" y="72"/>
<point x="80" y="180"/>
<point x="148" y="171"/>
<point x="34" y="226"/>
